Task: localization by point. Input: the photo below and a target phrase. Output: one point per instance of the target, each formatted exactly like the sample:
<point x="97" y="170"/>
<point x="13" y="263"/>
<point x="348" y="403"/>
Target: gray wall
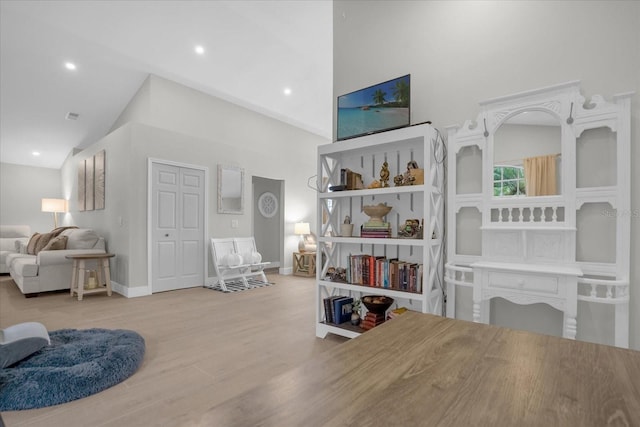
<point x="461" y="52"/>
<point x="187" y="126"/>
<point x="22" y="189"/>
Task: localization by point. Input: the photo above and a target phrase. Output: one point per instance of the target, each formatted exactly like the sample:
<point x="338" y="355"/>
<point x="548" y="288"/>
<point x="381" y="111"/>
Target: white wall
<point x="187" y="126"/>
<point x="22" y="189"/>
<point x="461" y="52"/>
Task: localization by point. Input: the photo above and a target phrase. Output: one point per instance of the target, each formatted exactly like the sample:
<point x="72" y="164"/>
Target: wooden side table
<point x="304" y="264"/>
<point x="79" y="269"/>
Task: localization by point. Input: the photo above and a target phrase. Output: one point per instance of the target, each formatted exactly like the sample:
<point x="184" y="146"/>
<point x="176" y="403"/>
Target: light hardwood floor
<point x="203" y="347"/>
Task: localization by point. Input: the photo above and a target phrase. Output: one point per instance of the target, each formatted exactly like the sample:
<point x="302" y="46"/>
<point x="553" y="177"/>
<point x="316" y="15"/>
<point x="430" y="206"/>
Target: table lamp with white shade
<point x="302" y="229"/>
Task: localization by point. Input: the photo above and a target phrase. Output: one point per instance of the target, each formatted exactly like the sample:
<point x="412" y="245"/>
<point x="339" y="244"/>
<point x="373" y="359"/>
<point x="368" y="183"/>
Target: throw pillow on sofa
<point x="31" y="246"/>
<point x="56" y="244"/>
<point x="43" y="241"/>
<point x="82" y="238"/>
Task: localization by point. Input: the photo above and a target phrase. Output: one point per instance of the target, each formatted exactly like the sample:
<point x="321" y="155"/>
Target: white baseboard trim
<point x="286" y="271"/>
<point x="138" y="291"/>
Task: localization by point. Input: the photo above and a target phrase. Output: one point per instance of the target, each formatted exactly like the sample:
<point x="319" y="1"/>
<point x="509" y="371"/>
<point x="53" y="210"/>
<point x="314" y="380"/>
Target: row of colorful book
<point x="382" y="272"/>
<point x="337" y="309"/>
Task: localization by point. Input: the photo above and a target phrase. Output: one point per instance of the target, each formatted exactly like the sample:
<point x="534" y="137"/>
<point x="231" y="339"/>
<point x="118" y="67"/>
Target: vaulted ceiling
<point x="254" y="52"/>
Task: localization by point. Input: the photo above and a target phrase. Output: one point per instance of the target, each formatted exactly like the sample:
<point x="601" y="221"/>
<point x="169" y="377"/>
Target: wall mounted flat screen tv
<point x="377" y="108"/>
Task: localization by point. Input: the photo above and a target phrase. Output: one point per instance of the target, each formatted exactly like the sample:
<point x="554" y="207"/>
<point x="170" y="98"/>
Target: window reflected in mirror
<point x="508" y="180"/>
<point x="527" y="155"/>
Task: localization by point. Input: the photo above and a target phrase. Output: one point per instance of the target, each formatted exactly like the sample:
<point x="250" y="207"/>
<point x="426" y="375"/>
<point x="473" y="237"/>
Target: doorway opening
<point x="268" y="219"/>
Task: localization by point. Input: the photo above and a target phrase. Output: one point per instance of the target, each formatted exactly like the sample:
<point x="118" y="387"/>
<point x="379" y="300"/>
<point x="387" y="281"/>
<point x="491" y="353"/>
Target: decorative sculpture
<point x="413" y="175"/>
<point x="384" y="175"/>
<point x="411" y="229"/>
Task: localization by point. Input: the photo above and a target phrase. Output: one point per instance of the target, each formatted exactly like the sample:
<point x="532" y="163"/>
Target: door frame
<point x="150" y="162"/>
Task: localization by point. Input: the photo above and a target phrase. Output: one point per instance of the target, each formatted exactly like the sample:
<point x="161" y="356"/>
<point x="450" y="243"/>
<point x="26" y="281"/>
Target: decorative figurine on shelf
<point x="337" y="274"/>
<point x="374" y="184"/>
<point x="384" y="175"/>
<point x="410" y="230"/>
<point x="413" y="176"/>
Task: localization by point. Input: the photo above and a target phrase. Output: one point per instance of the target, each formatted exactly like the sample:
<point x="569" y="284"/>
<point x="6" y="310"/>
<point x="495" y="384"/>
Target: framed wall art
<point x="91" y="183"/>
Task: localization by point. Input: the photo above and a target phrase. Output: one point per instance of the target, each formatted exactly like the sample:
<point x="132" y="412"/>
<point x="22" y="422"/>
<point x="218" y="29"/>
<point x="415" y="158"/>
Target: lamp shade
<point x="54" y="205"/>
<point x="301" y="228"/>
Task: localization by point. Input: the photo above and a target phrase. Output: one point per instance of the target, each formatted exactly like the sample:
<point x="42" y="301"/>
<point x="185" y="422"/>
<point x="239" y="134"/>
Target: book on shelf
<point x="375" y="230"/>
<point x="329" y="308"/>
<point x="337" y="309"/>
<point x="342" y="309"/>
<point x="375" y="225"/>
<point x="351" y="180"/>
<point x="374" y="317"/>
<point x="396" y="312"/>
<point x="371" y="320"/>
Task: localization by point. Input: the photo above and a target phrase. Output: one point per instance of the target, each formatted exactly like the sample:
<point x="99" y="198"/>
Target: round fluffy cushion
<point x="251" y="257"/>
<point x="78" y="363"/>
<point x="254" y="257"/>
<point x="233" y="260"/>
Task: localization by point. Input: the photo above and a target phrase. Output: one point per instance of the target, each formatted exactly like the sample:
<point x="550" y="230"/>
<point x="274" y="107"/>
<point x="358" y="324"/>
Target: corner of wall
<point x="138" y="109"/>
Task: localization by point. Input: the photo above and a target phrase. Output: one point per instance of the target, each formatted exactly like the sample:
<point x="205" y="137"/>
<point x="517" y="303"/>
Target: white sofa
<point x="11" y="236"/>
<point x="49" y="270"/>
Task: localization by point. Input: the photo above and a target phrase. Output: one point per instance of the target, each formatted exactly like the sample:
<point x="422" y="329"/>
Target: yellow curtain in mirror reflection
<point x="540" y="175"/>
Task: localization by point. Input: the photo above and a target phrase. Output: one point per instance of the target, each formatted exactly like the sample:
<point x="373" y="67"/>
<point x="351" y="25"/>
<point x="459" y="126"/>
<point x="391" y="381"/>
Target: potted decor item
<point x="355" y="313"/>
<point x="346" y="228"/>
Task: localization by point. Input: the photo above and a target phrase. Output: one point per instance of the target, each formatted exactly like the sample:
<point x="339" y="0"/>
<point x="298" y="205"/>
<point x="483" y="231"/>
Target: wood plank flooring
<point x="203" y="347"/>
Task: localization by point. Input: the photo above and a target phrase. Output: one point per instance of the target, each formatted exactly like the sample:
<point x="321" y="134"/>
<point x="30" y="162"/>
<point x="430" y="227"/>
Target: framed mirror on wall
<point x="230" y="190"/>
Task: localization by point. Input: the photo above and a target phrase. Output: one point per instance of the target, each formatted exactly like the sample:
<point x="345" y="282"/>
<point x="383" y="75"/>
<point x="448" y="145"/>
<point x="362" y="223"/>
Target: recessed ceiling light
<point x="287" y="91"/>
<point x="36" y="153"/>
<point x="70" y="65"/>
<point x="199" y="50"/>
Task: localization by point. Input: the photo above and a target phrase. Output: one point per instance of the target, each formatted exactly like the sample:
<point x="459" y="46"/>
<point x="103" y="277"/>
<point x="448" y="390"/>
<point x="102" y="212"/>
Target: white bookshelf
<point x="365" y="155"/>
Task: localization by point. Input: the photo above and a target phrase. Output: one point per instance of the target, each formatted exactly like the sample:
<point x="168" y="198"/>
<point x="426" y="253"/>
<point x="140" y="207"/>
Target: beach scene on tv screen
<point x="374" y="109"/>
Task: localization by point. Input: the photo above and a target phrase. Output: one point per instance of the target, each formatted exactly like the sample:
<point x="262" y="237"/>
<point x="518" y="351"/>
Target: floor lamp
<point x="55" y="206"/>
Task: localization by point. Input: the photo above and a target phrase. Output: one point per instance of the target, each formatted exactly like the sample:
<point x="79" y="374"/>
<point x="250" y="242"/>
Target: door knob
<point x="166" y="235"/>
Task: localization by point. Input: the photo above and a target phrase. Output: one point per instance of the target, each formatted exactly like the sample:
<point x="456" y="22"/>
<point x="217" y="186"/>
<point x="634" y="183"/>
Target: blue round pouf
<point x="77" y="364"/>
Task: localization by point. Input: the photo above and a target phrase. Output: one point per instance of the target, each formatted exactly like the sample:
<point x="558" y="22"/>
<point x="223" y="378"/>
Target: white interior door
<point x="177" y="231"/>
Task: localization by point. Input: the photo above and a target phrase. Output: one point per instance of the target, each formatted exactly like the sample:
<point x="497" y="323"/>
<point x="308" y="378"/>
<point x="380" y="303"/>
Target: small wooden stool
<point x="79" y="268"/>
